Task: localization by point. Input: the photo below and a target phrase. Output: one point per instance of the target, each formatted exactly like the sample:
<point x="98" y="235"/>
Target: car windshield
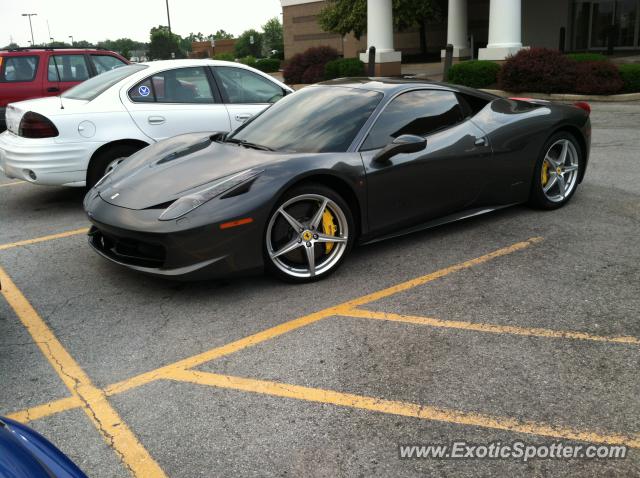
<point x="316" y="119"/>
<point x="97" y="85"/>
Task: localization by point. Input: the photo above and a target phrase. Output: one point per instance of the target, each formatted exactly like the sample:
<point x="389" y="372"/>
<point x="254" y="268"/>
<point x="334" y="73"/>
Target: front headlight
<point x="188" y="203"/>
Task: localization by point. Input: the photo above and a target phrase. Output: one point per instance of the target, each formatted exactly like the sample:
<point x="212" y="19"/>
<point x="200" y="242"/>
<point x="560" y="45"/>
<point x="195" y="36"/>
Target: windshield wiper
<point x="247" y="144"/>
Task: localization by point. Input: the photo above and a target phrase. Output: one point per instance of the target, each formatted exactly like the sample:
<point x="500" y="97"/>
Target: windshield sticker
<point x="144" y="90"/>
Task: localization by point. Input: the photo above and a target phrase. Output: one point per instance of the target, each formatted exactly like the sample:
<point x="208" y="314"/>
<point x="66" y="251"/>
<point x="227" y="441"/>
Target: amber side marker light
<point x="239" y="222"/>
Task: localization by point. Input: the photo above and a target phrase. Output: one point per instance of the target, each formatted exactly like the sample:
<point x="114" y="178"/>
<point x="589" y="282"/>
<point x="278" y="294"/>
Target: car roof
<point x="393" y="85"/>
<point x="167" y="64"/>
<point x="31" y="51"/>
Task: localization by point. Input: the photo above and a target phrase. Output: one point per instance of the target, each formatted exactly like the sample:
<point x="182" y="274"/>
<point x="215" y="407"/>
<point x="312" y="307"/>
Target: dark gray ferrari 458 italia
<point x="334" y="164"/>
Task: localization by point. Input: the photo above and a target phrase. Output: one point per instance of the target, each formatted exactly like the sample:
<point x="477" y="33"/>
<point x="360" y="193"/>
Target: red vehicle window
<point x="104" y="63"/>
<point x="70" y="68"/>
<point x="18" y="68"/>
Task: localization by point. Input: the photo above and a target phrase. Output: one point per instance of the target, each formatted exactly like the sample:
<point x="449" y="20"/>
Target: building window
<point x="595" y="22"/>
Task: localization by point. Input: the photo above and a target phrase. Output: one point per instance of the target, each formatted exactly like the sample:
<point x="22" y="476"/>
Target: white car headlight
<point x="188" y="203"/>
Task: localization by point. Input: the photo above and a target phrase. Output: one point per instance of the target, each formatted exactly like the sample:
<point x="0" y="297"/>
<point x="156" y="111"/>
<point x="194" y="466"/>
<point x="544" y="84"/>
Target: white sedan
<point x="75" y="138"/>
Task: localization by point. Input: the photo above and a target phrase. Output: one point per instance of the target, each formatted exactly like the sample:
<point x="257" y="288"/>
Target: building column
<point x="505" y="30"/>
<point x="457" y="33"/>
<point x="380" y="35"/>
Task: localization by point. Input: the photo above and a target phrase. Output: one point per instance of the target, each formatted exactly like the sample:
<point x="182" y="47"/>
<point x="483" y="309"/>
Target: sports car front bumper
<point x="172" y="249"/>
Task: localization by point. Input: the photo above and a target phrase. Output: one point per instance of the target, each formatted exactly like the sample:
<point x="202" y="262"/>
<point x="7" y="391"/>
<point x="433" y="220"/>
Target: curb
<point x="568" y="97"/>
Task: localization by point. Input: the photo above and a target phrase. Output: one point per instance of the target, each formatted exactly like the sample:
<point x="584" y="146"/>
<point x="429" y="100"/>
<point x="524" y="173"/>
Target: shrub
<point x="630" y="75"/>
<point x="268" y="65"/>
<point x="313" y="74"/>
<point x="538" y="69"/>
<point x="476" y="74"/>
<point x="224" y="57"/>
<point x="248" y="60"/>
<point x="598" y="78"/>
<point x="587" y="57"/>
<point x="343" y="68"/>
<point x="308" y="67"/>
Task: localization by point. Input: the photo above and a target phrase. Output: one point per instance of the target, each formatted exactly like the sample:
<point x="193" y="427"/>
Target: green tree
<point x="186" y="42"/>
<point x="245" y="47"/>
<point x="163" y="44"/>
<point x="58" y="44"/>
<point x="124" y="46"/>
<point x="272" y="37"/>
<point x="11" y="46"/>
<point x="346" y="16"/>
<point x="83" y="44"/>
<point x="221" y="35"/>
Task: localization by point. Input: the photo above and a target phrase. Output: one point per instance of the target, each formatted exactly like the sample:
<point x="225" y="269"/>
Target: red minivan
<point x="27" y="73"/>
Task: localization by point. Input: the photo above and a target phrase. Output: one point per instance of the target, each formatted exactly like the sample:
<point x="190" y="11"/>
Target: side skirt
<point x="458" y="216"/>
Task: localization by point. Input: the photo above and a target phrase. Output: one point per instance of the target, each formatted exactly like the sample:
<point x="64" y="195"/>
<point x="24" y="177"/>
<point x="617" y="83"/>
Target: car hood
<point x="167" y="170"/>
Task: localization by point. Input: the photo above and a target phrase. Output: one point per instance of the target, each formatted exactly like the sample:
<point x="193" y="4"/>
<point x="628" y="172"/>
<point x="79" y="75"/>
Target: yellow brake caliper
<point x="329" y="228"/>
<point x="545" y="173"/>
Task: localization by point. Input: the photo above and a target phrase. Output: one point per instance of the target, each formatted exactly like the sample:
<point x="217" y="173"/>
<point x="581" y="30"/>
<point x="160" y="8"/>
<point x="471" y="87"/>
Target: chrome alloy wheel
<point x="298" y="240"/>
<point x="559" y="174"/>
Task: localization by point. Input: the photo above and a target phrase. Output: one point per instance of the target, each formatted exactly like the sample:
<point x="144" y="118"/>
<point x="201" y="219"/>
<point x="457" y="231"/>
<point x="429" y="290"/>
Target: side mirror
<point x="406" y="143"/>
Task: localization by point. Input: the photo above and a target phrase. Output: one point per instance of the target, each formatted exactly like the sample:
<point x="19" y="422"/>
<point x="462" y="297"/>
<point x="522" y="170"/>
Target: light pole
<point x="71" y="36"/>
<point x="31" y="26"/>
<point x="168" y="17"/>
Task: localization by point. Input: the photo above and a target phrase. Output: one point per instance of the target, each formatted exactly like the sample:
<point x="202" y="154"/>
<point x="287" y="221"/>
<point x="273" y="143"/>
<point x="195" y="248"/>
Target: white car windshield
<point x="93" y="87"/>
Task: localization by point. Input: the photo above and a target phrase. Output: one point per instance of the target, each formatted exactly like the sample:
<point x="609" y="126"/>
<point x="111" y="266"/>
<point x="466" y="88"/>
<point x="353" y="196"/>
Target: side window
<point x="18" y="68"/>
<point x="142" y="92"/>
<point x="105" y="63"/>
<point x="70" y="68"/>
<point x="416" y="112"/>
<point x="184" y="85"/>
<point x="243" y="86"/>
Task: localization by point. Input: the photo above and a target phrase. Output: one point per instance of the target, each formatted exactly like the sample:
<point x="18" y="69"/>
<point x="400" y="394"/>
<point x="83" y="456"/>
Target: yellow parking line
<point x="15" y="183"/>
<point x="217" y="352"/>
<point x="490" y="328"/>
<point x="94" y="402"/>
<point x="208" y="356"/>
<point x="405" y="409"/>
<point x="44" y="410"/>
<point x="441" y="273"/>
<point x="306" y="320"/>
<point x="27" y="242"/>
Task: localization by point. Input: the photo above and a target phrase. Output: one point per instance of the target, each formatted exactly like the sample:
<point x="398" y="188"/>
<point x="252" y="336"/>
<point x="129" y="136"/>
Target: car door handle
<point x="156" y="119"/>
<point x="53" y="89"/>
<point x="243" y="117"/>
<point x="482" y="142"/>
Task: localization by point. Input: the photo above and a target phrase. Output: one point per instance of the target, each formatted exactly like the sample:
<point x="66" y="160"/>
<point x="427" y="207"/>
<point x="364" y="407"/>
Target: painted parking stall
<point x="373" y="349"/>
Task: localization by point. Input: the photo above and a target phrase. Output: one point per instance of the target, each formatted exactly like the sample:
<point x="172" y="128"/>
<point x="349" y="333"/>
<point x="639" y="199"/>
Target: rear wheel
<point x="556" y="175"/>
<point x="106" y="160"/>
<point x="308" y="234"/>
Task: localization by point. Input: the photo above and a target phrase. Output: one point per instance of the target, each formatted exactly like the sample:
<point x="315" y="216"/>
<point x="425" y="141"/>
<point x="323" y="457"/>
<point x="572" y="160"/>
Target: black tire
<point x="336" y="201"/>
<point x="537" y="197"/>
<point x="100" y="162"/>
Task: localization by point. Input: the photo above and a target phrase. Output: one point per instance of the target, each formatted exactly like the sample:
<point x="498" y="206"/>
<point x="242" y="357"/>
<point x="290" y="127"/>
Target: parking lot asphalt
<point x="518" y="325"/>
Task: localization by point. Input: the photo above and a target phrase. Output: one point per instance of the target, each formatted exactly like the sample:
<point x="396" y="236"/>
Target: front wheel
<point x="556" y="174"/>
<point x="308" y="235"/>
<point x="105" y="161"/>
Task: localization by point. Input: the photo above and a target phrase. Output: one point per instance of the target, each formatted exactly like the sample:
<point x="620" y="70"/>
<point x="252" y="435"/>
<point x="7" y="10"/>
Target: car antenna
<point x="55" y="62"/>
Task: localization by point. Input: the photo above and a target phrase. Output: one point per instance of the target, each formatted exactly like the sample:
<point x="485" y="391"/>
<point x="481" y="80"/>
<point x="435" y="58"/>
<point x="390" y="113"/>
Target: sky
<point x="95" y="20"/>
